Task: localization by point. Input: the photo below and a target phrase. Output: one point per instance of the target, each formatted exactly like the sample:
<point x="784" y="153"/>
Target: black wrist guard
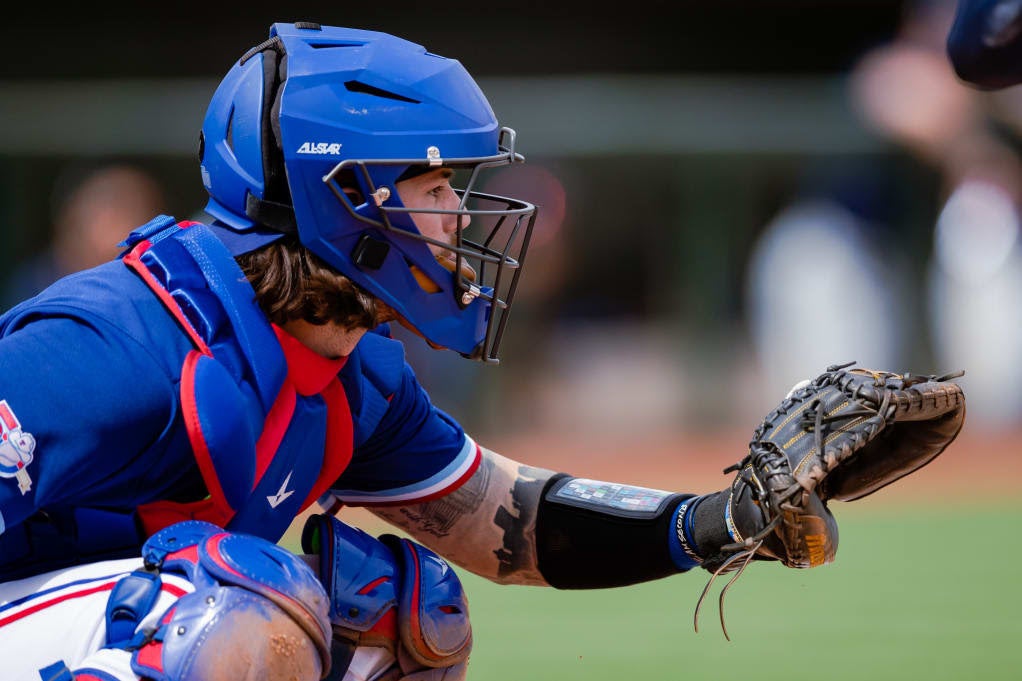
<point x="592" y="534"/>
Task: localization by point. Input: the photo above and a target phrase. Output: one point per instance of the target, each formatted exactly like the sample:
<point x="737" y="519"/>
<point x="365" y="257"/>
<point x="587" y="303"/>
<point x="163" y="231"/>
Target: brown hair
<point x="291" y="283"/>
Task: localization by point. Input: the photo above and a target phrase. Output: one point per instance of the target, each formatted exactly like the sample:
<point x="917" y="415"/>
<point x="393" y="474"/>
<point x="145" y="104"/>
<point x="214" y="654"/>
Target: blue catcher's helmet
<point x="309" y="132"/>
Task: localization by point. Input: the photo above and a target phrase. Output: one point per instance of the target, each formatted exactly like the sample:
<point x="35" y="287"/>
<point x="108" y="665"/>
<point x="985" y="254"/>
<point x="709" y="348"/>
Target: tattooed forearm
<point x="518" y="552"/>
<point x="488" y="525"/>
<point x="437" y="517"/>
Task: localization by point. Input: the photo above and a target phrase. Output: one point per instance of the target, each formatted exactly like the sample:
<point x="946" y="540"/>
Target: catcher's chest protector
<point x="268" y="422"/>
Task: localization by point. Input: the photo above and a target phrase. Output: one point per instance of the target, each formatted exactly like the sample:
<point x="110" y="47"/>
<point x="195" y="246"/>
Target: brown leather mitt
<point x="850" y="432"/>
<point x="842" y="435"/>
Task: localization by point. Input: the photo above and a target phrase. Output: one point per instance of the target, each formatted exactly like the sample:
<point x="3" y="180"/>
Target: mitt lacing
<point x="747" y="555"/>
<point x="771" y="463"/>
<point x="814" y="418"/>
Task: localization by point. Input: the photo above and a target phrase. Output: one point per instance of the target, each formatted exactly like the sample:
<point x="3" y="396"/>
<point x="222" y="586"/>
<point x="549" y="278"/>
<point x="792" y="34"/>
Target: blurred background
<point x="734" y="195"/>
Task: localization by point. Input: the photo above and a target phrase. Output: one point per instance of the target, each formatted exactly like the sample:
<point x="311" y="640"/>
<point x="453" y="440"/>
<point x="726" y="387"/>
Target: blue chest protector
<point x="265" y="450"/>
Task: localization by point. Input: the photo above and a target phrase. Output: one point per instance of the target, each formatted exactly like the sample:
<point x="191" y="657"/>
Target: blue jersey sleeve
<point x="416" y="453"/>
<point x="80" y="402"/>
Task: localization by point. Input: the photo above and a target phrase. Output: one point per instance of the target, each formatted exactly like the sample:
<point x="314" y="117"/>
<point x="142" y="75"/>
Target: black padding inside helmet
<point x="274" y="175"/>
<point x="274" y="209"/>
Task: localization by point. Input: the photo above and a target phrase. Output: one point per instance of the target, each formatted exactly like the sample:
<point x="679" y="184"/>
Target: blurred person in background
<point x="845" y="214"/>
<point x="907" y="91"/>
<point x="978" y="242"/>
<point x="94" y="206"/>
<point x="839" y="216"/>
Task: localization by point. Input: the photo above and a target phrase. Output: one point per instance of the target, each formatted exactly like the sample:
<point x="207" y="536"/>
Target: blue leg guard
<point x="257" y="612"/>
<point x="391" y="592"/>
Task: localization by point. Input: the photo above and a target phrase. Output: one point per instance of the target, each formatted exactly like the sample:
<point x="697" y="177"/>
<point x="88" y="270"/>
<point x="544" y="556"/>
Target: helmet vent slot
<point x="356" y="86"/>
<point x="328" y="45"/>
<point x="229" y="136"/>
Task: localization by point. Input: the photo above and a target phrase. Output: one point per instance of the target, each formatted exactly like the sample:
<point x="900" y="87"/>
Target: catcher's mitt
<point x="849" y="432"/>
<point x="843" y="435"/>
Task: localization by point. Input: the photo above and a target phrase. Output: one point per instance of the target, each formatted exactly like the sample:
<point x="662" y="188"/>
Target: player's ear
<point x="346" y="180"/>
<point x="354" y="195"/>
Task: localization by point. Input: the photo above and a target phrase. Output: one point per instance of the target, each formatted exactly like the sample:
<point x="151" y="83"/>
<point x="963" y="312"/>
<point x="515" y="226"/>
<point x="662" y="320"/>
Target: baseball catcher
<point x="842" y="435"/>
<point x="344" y="170"/>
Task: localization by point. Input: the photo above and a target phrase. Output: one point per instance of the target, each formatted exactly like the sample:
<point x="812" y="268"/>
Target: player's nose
<point x="452" y="221"/>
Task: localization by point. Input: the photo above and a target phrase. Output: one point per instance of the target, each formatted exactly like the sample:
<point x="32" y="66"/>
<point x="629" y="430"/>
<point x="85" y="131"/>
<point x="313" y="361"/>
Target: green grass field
<point x="915" y="594"/>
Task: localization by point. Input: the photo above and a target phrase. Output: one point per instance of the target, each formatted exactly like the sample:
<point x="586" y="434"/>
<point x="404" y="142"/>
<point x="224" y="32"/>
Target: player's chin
<point x="449" y="262"/>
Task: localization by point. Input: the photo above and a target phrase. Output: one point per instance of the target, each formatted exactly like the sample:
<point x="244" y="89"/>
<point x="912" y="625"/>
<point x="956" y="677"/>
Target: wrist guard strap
<point x="592" y="534"/>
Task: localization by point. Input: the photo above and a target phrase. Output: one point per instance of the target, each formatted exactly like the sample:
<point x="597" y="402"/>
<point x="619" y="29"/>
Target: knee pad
<point x="432" y="610"/>
<point x="391" y="592"/>
<point x="257" y="610"/>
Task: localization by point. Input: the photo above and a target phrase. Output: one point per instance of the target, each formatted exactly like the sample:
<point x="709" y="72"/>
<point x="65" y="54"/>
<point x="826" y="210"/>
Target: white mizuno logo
<point x="282" y="493"/>
<point x="319" y="148"/>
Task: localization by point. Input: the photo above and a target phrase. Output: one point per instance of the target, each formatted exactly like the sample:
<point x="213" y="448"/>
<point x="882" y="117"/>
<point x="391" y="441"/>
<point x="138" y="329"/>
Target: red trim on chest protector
<point x="340" y="435"/>
<point x="133" y="259"/>
<point x="193" y="425"/>
<point x="157" y="515"/>
<point x="338" y="447"/>
<point x="310" y="374"/>
<point x="274" y="427"/>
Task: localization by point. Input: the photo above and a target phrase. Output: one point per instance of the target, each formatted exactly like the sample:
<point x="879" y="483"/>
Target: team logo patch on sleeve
<point x="16" y="448"/>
